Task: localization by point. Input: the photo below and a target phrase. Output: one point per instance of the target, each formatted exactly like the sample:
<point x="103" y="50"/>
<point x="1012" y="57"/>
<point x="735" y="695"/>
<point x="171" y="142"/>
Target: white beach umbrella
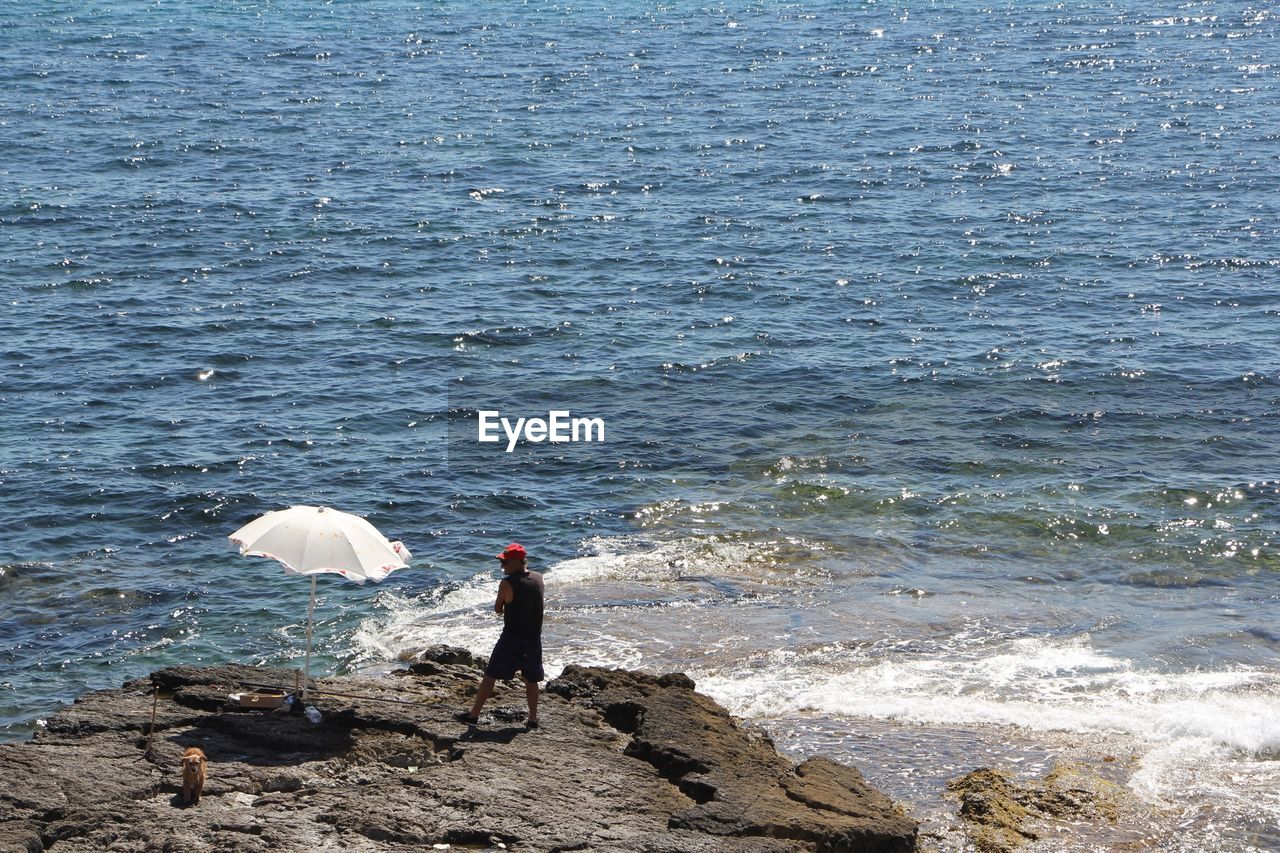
<point x="312" y="540"/>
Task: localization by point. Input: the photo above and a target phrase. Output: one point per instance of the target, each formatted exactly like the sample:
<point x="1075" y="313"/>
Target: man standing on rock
<point x="520" y="646"/>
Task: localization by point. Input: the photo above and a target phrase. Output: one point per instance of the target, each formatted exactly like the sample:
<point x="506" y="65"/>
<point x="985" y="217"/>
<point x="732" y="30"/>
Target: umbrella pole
<point x="311" y="609"/>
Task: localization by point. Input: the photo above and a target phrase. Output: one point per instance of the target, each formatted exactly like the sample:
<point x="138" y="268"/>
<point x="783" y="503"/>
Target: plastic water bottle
<point x="313" y="715"/>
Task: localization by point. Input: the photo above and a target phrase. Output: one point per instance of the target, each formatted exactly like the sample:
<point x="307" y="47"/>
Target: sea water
<point x="935" y="343"/>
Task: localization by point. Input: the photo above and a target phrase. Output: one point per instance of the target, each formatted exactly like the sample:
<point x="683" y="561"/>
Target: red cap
<point x="515" y="551"/>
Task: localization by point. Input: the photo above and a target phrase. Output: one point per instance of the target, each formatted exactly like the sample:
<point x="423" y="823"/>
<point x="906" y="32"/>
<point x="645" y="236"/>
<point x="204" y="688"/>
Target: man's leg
<point x="533" y="672"/>
<point x="482" y="694"/>
<point x="531" y="694"/>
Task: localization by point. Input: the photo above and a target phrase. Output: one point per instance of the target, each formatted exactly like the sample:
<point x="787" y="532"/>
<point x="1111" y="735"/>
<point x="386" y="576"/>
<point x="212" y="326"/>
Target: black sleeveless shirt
<point x="523" y="616"/>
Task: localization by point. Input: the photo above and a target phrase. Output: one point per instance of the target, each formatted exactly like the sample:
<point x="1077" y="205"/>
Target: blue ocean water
<point x="936" y="345"/>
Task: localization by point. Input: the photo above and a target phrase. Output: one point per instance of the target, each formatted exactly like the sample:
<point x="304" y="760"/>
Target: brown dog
<point x="193" y="767"/>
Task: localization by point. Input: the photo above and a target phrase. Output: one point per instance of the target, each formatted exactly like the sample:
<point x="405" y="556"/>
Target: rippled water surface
<point x="936" y="345"/>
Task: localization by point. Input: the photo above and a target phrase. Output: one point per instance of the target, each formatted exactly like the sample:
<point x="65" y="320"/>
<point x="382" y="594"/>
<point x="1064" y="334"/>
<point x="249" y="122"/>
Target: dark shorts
<point x="516" y="653"/>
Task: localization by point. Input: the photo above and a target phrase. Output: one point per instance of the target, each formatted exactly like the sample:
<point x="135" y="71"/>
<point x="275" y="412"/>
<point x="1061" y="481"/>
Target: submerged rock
<point x="623" y="761"/>
<point x="991" y="804"/>
<point x="1001" y="815"/>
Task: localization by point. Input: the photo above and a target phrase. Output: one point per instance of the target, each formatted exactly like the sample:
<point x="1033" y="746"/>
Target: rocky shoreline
<point x="623" y="762"/>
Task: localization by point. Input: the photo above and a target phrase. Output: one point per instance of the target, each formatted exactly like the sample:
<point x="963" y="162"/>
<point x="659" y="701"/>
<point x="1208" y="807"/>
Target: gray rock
<point x="623" y="762"/>
<point x="452" y="655"/>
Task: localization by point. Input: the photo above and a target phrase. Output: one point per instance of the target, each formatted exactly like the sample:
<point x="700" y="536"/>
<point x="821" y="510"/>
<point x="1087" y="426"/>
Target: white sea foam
<point x="644" y="561"/>
<point x="1202" y="736"/>
<point x="1042" y="685"/>
<point x="407" y="624"/>
<point x="463" y="615"/>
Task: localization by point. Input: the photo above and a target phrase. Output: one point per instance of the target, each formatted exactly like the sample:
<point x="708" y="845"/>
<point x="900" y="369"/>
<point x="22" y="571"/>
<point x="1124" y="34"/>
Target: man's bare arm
<point x="505" y="595"/>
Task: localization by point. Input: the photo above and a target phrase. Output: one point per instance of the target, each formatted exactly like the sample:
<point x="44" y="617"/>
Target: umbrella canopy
<point x="313" y="540"/>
